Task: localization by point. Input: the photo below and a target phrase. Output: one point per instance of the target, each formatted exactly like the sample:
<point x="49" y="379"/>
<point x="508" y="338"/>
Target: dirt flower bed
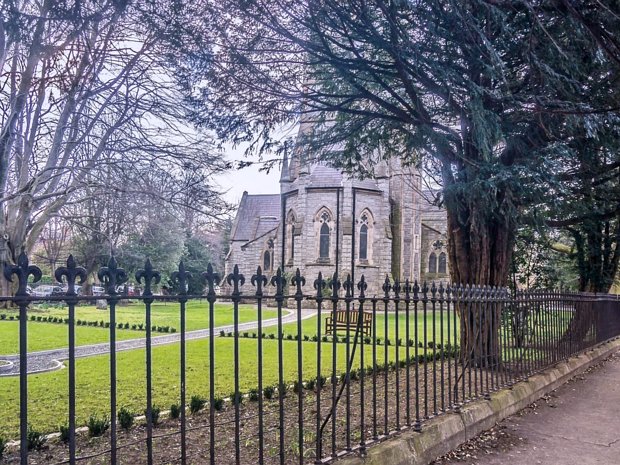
<point x="368" y="415"/>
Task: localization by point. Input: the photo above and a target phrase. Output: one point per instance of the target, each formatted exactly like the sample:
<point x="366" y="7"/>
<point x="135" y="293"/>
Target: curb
<point x="442" y="434"/>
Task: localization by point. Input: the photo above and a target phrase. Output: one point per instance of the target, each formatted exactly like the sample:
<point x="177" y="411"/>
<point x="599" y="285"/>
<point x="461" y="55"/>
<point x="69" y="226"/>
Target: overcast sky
<point x="248" y="179"/>
<point x="251" y="179"/>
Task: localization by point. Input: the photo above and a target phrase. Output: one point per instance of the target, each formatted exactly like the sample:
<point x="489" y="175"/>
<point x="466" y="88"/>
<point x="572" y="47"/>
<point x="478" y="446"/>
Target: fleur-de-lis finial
<point x="71" y="272"/>
<point x="22" y="270"/>
<point x="150" y="277"/>
<point x="235" y="279"/>
<point x="111" y="276"/>
<point x="386" y="287"/>
<point x="181" y="278"/>
<point x="259" y="280"/>
<point x="348" y="287"/>
<point x="362" y="286"/>
<point x="319" y="285"/>
<point x="424" y="290"/>
<point x="335" y="287"/>
<point x="298" y="281"/>
<point x="212" y="278"/>
<point x="396" y="289"/>
<point x="278" y="281"/>
<point x="407" y="289"/>
<point x="416" y="289"/>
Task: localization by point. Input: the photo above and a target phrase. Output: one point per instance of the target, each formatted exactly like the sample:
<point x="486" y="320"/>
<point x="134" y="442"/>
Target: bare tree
<point x="87" y="87"/>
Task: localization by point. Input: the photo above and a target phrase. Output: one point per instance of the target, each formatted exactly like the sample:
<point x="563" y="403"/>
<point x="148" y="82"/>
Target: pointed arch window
<point x="364" y="242"/>
<point x="432" y="263"/>
<point x="323" y="231"/>
<point x="442" y="267"/>
<point x="324" y="241"/>
<point x="267" y="260"/>
<point x="290" y="236"/>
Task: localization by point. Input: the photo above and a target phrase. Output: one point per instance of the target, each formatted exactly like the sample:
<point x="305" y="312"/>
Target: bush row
<point x="97" y="426"/>
<point x="98" y="324"/>
<point x="340" y="340"/>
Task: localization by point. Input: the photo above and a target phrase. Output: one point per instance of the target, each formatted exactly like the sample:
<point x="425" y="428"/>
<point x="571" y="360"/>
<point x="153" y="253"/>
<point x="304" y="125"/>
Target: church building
<point x="325" y="220"/>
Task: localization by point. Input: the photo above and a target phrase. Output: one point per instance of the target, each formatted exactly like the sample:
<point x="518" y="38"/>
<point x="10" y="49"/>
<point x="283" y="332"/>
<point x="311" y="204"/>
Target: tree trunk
<point x="480" y="245"/>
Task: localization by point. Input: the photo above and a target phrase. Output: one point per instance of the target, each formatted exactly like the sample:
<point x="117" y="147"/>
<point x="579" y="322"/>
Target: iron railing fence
<point x="283" y="389"/>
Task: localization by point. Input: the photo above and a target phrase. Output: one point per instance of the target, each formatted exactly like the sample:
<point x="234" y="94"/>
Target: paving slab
<point x="578" y="424"/>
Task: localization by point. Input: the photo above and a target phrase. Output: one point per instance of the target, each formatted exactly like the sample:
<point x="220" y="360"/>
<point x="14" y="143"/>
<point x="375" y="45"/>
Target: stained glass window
<point x="324" y="242"/>
<point x="432" y="263"/>
<point x="364" y="242"/>
<point x="442" y="263"/>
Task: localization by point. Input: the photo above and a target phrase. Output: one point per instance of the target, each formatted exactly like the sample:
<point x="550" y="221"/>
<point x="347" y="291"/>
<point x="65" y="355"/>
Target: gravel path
<point x="49" y="360"/>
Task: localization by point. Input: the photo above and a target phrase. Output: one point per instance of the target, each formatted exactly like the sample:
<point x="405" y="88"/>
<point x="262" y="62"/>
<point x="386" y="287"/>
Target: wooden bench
<point x="341" y="322"/>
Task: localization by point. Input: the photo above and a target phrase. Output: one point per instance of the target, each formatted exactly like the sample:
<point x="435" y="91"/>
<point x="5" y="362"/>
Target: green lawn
<point x="48" y="392"/>
<point x="166" y="314"/>
<point x="44" y="336"/>
<point x="309" y="327"/>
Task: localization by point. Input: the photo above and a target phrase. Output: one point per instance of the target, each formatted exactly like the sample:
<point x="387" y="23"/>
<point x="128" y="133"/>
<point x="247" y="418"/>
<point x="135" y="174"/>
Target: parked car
<point x="78" y="289"/>
<point x="47" y="290"/>
<point x="97" y="290"/>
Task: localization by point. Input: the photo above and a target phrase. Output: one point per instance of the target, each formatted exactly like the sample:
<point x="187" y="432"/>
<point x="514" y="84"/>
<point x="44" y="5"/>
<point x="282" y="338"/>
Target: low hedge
<point x="97" y="324"/>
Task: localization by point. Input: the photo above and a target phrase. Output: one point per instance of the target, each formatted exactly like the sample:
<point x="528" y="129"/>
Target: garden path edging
<point x="446" y="432"/>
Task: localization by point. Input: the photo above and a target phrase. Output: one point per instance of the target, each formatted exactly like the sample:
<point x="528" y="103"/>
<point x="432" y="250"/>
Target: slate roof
<point x="326" y="176"/>
<point x="256" y="216"/>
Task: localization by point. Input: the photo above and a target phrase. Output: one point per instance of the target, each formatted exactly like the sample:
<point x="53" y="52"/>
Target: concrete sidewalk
<point x="578" y="424"/>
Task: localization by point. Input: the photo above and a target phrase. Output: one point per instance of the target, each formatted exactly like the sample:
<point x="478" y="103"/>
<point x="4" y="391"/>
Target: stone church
<point x="324" y="220"/>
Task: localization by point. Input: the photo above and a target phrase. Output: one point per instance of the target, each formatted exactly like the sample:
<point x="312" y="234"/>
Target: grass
<point x="309" y="327"/>
<point x="45" y="336"/>
<point x="165" y="314"/>
<point x="48" y="392"/>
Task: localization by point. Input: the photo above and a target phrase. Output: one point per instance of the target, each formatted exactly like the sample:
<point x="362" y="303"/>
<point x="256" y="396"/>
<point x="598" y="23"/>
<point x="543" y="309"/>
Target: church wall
<point x="429" y="241"/>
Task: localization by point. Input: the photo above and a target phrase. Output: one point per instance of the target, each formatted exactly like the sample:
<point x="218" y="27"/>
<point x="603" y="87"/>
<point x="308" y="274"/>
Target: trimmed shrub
<point x="197" y="403"/>
<point x="155" y="411"/>
<point x="218" y="403"/>
<point x="268" y="392"/>
<point x="297" y="387"/>
<point x="64" y="433"/>
<point x="125" y="418"/>
<point x="245" y="335"/>
<point x="306" y="337"/>
<point x="34" y="439"/>
<point x="175" y="411"/>
<point x="2" y="316"/>
<point x="272" y="336"/>
<point x="315" y="338"/>
<point x="254" y="335"/>
<point x="289" y="337"/>
<point x="97" y="426"/>
<point x="310" y="384"/>
<point x="253" y="395"/>
<point x="320" y="381"/>
<point x="236" y="398"/>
